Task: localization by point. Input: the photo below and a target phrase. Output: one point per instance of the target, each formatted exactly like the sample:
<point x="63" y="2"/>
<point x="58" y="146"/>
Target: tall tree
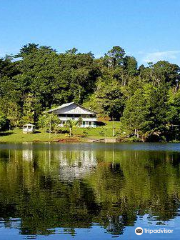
<point x="115" y="56"/>
<point x="108" y="99"/>
<point x="136" y="113"/>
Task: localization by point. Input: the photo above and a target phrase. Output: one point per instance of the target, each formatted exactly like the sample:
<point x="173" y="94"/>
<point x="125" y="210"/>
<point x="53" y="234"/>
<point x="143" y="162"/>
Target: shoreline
<point x="16" y="136"/>
<point x="82" y="140"/>
<point x="67" y="140"/>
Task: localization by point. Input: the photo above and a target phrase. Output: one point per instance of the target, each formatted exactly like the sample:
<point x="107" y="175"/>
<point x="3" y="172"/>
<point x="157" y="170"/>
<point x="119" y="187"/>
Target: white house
<point x="73" y="111"/>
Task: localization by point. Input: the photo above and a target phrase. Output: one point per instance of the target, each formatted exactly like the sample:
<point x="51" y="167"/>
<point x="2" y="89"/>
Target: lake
<point x="89" y="191"/>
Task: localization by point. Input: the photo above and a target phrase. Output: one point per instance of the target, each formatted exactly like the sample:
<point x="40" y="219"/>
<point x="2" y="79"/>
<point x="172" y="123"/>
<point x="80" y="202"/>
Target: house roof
<point x="71" y="108"/>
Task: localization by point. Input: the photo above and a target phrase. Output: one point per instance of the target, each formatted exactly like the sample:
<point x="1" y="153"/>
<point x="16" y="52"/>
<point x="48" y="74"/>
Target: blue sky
<point x="146" y="29"/>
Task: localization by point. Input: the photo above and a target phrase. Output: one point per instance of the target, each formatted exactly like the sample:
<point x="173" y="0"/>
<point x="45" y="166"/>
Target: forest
<point x="145" y="99"/>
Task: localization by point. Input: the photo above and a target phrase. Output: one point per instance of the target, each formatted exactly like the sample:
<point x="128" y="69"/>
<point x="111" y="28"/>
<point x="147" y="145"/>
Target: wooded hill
<point x="146" y="99"/>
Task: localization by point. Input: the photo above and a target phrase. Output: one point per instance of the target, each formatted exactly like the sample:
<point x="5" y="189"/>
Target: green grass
<point x="17" y="135"/>
<point x="100" y="132"/>
<point x="106" y="131"/>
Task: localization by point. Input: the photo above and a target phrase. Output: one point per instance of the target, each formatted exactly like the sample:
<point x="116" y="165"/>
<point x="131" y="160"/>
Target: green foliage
<point x="3" y="121"/>
<point x="38" y="78"/>
<point x="71" y="124"/>
<point x="146" y="110"/>
<point x="108" y="99"/>
<point x="130" y="65"/>
<point x="136" y="113"/>
<point x="158" y="106"/>
<point x="174" y="108"/>
<point x="114" y="57"/>
<point x="50" y="122"/>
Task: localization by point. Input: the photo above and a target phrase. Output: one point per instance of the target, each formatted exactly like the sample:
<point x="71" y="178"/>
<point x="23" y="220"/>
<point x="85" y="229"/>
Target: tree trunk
<point x="136" y="133"/>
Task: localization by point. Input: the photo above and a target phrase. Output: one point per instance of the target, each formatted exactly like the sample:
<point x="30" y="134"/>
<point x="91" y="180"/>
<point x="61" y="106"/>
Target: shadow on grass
<point x="36" y="132"/>
<point x="99" y="123"/>
<point x="6" y="133"/>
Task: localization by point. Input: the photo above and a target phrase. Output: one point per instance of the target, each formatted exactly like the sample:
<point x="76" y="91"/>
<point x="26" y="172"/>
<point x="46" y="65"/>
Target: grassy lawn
<point x="100" y="132"/>
<point x="17" y="135"/>
<point x="106" y="131"/>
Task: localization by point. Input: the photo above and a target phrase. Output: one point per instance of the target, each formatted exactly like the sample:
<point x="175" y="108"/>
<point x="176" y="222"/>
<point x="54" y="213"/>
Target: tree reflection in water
<point x="48" y="186"/>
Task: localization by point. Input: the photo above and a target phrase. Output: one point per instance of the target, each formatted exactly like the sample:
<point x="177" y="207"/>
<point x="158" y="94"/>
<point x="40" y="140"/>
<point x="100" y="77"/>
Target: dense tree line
<point x="146" y="98"/>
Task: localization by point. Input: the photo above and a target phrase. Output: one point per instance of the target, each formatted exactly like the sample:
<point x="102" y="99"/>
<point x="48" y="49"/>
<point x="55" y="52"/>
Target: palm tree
<point x="79" y="121"/>
<point x="70" y="124"/>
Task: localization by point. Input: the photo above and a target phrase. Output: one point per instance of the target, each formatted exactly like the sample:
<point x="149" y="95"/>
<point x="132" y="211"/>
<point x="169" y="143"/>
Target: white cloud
<point x="157" y="56"/>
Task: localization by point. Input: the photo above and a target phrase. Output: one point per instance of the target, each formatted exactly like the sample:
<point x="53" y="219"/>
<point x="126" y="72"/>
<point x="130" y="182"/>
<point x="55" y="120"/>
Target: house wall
<point x="86" y="122"/>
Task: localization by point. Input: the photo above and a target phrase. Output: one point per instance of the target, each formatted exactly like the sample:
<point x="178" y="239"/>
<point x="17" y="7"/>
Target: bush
<point x="4" y="122"/>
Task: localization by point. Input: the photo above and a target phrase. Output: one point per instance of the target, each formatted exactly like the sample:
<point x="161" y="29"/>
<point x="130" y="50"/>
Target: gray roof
<point x="66" y="105"/>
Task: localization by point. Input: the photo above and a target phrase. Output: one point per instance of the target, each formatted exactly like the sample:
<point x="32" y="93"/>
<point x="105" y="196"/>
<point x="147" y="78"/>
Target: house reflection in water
<point x="67" y="164"/>
<point x="27" y="154"/>
<point x="76" y="164"/>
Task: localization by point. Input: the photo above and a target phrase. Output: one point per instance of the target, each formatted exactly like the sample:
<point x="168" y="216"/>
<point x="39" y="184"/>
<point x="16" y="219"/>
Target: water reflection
<point x="50" y="188"/>
<point x="76" y="164"/>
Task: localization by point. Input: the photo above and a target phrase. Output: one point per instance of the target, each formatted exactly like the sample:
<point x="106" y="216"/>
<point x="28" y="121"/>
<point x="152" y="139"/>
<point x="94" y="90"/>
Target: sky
<point x="149" y="30"/>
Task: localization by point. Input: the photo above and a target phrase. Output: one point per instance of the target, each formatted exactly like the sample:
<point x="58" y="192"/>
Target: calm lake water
<point x="89" y="191"/>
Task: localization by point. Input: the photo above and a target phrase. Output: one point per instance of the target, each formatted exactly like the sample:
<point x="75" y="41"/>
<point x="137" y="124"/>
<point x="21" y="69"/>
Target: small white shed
<point x="28" y="128"/>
